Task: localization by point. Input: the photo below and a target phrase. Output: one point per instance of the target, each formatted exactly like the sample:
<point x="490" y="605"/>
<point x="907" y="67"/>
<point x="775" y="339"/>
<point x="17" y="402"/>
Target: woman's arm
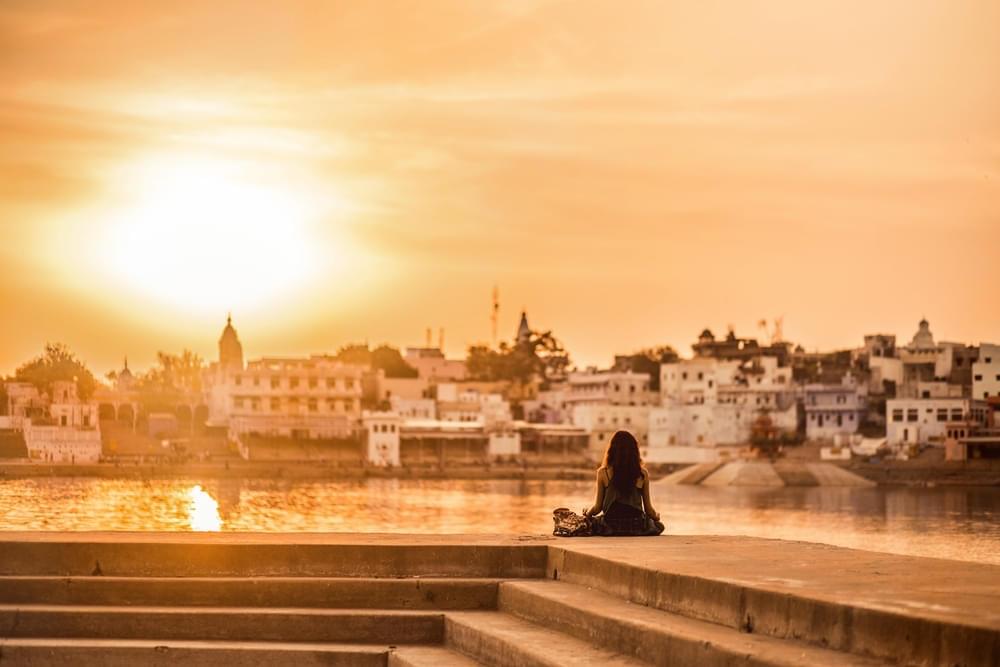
<point x="647" y="502"/>
<point x="599" y="501"/>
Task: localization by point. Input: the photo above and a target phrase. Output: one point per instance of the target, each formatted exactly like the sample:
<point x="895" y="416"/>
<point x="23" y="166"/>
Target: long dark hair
<point x="624" y="460"/>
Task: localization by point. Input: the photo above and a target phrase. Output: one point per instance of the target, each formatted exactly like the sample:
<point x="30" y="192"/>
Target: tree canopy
<point x="541" y="356"/>
<point x="647" y="361"/>
<point x="57" y="363"/>
<point x="174" y="378"/>
<point x="384" y="357"/>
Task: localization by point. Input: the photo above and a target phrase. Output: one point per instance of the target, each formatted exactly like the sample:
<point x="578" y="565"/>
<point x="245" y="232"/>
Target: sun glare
<point x="203" y="510"/>
<point x="208" y="234"/>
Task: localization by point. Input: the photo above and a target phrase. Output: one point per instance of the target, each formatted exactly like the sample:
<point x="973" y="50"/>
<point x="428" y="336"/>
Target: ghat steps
<point x="168" y="599"/>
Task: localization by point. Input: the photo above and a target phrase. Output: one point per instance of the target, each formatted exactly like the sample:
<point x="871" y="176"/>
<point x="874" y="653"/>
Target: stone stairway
<point x="397" y="601"/>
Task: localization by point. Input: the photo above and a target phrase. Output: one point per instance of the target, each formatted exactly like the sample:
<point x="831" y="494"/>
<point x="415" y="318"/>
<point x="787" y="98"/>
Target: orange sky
<point x="342" y="171"/>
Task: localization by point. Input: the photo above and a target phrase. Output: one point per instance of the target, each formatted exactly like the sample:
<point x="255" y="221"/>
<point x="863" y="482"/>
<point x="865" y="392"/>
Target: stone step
<point x="654" y="636"/>
<point x="47" y="652"/>
<point x="429" y="656"/>
<point x="241" y="555"/>
<point x="365" y="626"/>
<point x="905" y="609"/>
<point x="325" y="592"/>
<point x="503" y="640"/>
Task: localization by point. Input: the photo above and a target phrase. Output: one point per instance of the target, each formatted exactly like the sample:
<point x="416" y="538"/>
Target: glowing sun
<point x="208" y="234"/>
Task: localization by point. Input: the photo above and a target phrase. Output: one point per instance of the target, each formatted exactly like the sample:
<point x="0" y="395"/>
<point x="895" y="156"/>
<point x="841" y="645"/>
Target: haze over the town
<point x="361" y="171"/>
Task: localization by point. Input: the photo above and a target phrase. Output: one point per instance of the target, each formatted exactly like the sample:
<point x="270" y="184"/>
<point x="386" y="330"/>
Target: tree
<point x="540" y="356"/>
<point x="57" y="364"/>
<point x="384" y="357"/>
<point x="765" y="436"/>
<point x="648" y="361"/>
<point x="173" y="379"/>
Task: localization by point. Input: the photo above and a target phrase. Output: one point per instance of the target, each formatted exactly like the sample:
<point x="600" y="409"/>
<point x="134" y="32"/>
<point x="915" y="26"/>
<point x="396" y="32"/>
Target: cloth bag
<point x="570" y="524"/>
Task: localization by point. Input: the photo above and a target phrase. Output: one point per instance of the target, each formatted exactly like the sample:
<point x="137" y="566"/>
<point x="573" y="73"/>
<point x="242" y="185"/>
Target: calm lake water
<point x="961" y="524"/>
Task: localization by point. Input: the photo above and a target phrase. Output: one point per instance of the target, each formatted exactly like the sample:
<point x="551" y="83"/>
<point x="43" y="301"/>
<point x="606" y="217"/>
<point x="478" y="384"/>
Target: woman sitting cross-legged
<point x="623" y="505"/>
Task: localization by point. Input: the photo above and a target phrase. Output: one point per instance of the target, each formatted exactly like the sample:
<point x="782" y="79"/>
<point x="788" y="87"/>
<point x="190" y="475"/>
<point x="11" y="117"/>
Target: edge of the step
<point x="497" y="638"/>
<point x="860" y="629"/>
<point x="650" y="634"/>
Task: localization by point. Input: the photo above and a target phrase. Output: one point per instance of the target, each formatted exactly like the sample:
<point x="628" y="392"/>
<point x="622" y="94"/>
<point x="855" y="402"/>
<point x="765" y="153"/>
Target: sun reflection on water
<point x="203" y="511"/>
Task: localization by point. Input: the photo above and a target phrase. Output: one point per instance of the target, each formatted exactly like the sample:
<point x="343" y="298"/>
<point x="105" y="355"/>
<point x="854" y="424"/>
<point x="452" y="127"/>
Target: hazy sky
<point x="629" y="172"/>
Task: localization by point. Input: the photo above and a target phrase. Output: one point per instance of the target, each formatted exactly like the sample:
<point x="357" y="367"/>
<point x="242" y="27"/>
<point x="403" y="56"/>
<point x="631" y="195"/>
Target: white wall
<point x="987" y="369"/>
<point x="382" y="436"/>
<point x="916" y="420"/>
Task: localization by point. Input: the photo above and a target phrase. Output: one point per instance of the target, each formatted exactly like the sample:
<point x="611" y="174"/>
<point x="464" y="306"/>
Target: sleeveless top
<point x="612" y="496"/>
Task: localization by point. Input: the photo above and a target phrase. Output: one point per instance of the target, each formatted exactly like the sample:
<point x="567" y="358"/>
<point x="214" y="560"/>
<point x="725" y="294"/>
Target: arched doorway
<point x="106" y="412"/>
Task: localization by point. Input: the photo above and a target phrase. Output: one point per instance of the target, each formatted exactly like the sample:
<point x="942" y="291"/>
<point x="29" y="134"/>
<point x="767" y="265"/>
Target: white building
<point x="611" y="387"/>
<point x="712" y="403"/>
<point x="413" y="408"/>
<point x="927" y="420"/>
<point x="466" y="404"/>
<point x="381" y="431"/>
<point x="601" y="420"/>
<point x="313" y="397"/>
<point x="833" y="409"/>
<point x="986" y="372"/>
<point x="69" y="432"/>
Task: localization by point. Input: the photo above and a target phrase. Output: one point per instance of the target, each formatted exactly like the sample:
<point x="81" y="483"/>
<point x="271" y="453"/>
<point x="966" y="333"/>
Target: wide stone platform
<point x="301" y="599"/>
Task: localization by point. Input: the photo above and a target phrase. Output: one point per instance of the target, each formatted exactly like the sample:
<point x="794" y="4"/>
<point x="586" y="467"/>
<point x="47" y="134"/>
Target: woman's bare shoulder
<point x="604" y="474"/>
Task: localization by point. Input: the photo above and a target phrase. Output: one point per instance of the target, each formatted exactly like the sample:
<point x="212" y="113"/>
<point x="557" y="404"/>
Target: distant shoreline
<point x="311" y="470"/>
<point x="886" y="475"/>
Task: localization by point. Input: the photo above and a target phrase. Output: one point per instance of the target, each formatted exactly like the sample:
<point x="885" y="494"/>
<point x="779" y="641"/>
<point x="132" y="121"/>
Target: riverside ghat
<point x="381" y="599"/>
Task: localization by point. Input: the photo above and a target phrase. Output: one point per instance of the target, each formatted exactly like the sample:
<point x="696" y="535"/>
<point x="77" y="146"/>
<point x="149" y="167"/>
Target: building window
<point x="911" y="414"/>
<point x="979" y="378"/>
<point x="710" y="383"/>
<point x="956" y="414"/>
<point x="275" y="404"/>
<point x="313" y="405"/>
<point x="331" y="383"/>
<point x="238" y="380"/>
<point x="312" y="383"/>
<point x="293" y="382"/>
<point x="942" y="414"/>
<point x="684" y="375"/>
<point x="256" y="380"/>
<point x="841" y="398"/>
<point x="237" y="402"/>
<point x="275" y="383"/>
<point x="701" y="376"/>
<point x="349" y="384"/>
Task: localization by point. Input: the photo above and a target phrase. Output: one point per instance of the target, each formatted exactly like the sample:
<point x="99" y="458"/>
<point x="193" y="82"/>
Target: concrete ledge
<point x="317" y="592"/>
<point x="223" y="555"/>
<point x="224" y="624"/>
<point x="128" y="653"/>
<point x="913" y="610"/>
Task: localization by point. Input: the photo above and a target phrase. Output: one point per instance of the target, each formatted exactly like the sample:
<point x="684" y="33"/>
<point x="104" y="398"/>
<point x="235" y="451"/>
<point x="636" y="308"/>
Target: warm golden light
<point x="209" y="234"/>
<point x="203" y="511"/>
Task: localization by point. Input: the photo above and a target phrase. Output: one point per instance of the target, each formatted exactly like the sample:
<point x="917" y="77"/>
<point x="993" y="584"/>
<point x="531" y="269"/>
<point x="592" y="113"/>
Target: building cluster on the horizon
<point x="880" y="397"/>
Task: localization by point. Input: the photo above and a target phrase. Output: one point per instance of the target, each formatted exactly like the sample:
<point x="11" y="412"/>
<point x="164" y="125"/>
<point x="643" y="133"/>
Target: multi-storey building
<point x="912" y="421"/>
<point x="833" y="410"/>
<point x="314" y="397"/>
<point x="608" y="387"/>
<point x="601" y="420"/>
<point x="986" y="373"/>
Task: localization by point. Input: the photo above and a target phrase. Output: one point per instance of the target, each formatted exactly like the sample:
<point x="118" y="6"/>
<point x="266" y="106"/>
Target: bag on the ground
<point x="570" y="524"/>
